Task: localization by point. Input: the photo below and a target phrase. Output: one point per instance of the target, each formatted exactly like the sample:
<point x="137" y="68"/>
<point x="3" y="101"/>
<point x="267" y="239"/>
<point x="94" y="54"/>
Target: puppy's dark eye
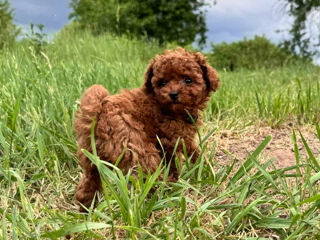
<point x="162" y="83"/>
<point x="188" y="80"/>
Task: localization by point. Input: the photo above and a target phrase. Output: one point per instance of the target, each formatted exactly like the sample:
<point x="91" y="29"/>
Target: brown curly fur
<point x="133" y="118"/>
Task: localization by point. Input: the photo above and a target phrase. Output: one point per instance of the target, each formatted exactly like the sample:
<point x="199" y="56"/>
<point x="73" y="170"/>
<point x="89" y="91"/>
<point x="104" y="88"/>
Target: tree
<point x="180" y="21"/>
<point x="300" y="10"/>
<point x="8" y="30"/>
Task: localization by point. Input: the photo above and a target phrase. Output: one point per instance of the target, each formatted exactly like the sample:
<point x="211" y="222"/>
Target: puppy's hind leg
<point x="89" y="183"/>
<point x="88" y="186"/>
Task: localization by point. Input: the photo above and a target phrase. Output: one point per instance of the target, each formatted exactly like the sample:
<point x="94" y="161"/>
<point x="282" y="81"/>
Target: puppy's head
<point x="180" y="80"/>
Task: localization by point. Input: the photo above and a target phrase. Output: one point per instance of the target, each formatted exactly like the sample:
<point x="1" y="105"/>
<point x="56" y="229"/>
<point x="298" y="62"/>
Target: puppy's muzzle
<point x="174" y="95"/>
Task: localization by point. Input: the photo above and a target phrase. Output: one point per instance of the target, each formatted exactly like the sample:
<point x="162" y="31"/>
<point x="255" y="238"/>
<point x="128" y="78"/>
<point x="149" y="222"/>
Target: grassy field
<point x="246" y="198"/>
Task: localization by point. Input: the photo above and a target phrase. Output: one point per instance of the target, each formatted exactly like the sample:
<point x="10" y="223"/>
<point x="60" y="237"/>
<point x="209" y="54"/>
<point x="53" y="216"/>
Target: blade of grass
<point x="208" y="135"/>
<point x="310" y="199"/>
<point x="149" y="184"/>
<point x="266" y="174"/>
<point x="248" y="164"/>
<point x="242" y="214"/>
<point x="318" y="130"/>
<point x="19" y="222"/>
<point x="296" y="152"/>
<point x="4" y="225"/>
<point x="273" y="222"/>
<point x="68" y="229"/>
<point x="311" y="156"/>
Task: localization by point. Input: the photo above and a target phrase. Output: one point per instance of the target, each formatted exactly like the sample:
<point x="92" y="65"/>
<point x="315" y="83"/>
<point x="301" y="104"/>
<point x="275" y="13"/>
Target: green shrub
<point x="8" y="31"/>
<point x="254" y="53"/>
<point x="37" y="38"/>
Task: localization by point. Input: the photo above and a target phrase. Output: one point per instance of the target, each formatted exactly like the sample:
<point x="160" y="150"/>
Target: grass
<point x="39" y="172"/>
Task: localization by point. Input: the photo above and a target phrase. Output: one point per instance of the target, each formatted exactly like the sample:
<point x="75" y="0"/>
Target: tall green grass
<point x="39" y="172"/>
<point x="268" y="96"/>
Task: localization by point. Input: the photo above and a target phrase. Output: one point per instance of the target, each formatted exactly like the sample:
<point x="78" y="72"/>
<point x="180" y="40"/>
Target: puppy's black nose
<point x="174" y="95"/>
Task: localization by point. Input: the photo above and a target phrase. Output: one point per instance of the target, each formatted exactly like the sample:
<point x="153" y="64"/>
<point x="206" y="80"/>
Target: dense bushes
<point x="254" y="53"/>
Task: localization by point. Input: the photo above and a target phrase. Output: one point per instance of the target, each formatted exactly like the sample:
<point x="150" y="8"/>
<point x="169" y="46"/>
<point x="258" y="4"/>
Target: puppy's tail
<point x="90" y="107"/>
<point x="91" y="100"/>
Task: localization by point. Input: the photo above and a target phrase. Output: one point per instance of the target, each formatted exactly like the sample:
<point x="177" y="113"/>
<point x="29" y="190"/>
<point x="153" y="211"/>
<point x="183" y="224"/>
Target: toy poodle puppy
<point x="177" y="82"/>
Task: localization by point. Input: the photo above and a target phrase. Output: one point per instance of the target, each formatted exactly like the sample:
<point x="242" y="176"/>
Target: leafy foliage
<point x="37" y="38"/>
<point x="8" y="31"/>
<point x="254" y="53"/>
<point x="300" y="10"/>
<point x="178" y="21"/>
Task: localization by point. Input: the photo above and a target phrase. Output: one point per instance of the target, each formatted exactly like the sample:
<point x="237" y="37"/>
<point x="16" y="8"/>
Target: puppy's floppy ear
<point x="210" y="75"/>
<point x="147" y="78"/>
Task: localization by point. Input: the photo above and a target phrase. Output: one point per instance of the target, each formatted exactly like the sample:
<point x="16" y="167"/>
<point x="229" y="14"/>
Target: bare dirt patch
<point x="236" y="144"/>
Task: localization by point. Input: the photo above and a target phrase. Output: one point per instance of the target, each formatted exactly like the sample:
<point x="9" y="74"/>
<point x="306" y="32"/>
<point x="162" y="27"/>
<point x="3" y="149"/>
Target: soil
<point x="237" y="144"/>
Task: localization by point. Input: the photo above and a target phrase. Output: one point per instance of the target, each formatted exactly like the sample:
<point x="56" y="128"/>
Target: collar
<point x="187" y="118"/>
